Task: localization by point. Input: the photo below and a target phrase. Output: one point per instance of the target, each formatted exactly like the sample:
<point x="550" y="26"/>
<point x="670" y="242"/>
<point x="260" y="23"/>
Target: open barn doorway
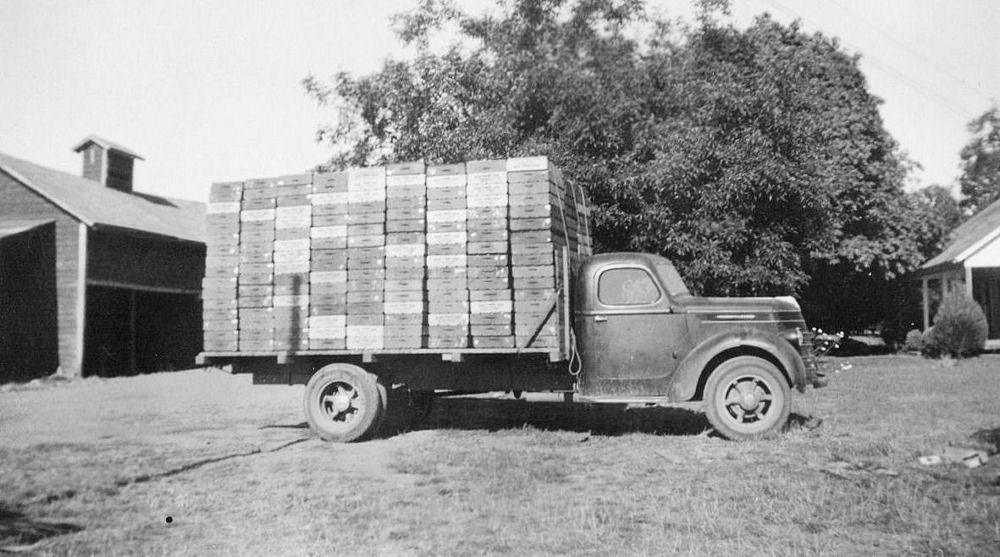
<point x="29" y="311"/>
<point x="131" y="331"/>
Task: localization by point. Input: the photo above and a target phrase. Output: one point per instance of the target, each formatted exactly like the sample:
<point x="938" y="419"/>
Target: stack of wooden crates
<point x="395" y="258"/>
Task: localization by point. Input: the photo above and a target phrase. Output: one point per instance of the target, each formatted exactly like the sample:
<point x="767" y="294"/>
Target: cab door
<point x="630" y="335"/>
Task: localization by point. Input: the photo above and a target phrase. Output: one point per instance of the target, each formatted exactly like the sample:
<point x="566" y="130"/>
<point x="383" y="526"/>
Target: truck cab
<point x="641" y="335"/>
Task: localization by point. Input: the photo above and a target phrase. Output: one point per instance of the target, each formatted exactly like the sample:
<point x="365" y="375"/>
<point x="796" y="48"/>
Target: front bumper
<point x="815" y="375"/>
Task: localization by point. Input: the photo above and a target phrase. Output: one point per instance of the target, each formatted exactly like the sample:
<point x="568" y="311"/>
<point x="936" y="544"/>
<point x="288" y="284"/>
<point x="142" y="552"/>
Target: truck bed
<point x="367" y="355"/>
<point x="449" y="260"/>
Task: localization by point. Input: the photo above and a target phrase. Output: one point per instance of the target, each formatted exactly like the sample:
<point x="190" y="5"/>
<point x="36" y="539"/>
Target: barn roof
<point x="968" y="238"/>
<point x="96" y="205"/>
<point x="109" y="145"/>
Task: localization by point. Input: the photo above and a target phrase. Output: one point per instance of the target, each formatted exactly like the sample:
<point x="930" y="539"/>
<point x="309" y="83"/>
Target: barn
<point x="96" y="278"/>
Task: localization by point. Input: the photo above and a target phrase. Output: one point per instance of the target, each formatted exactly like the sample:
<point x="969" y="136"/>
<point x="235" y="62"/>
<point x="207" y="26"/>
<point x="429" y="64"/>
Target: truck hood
<point x="741" y="305"/>
<point x="780" y="312"/>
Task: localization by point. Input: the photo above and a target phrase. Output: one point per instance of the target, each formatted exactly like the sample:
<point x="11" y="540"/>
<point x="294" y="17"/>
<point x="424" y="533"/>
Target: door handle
<point x="600" y="319"/>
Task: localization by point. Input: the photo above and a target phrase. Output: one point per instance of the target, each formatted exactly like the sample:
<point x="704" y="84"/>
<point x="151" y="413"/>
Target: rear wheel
<point x="342" y="403"/>
<point x="747" y="397"/>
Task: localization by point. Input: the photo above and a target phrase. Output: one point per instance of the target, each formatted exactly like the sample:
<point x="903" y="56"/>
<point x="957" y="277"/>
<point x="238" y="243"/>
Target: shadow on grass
<point x="798" y="421"/>
<point x="302" y="425"/>
<point x="144" y="478"/>
<point x="850" y="347"/>
<point x="600" y="419"/>
<point x="18" y="532"/>
<point x="204" y="462"/>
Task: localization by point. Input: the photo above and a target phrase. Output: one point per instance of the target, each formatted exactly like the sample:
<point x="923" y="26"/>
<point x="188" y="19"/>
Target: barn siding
<point x="119" y="172"/>
<point x="21" y="203"/>
<point x="144" y="261"/>
<point x="93" y="163"/>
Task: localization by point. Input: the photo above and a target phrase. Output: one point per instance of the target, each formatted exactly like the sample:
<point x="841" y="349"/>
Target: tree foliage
<point x="934" y="213"/>
<point x="980" y="179"/>
<point x="755" y="159"/>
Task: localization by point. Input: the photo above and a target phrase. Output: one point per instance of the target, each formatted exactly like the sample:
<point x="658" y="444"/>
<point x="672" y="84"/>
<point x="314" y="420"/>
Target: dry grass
<point x="96" y="467"/>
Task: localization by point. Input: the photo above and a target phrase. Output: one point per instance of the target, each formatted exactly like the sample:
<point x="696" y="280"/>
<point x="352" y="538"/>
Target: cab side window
<point x="627" y="287"/>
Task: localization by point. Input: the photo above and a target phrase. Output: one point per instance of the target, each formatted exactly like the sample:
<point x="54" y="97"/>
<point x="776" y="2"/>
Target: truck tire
<point x="342" y="403"/>
<point x="747" y="398"/>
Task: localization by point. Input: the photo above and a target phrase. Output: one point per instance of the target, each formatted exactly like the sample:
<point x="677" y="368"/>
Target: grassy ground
<point x="202" y="462"/>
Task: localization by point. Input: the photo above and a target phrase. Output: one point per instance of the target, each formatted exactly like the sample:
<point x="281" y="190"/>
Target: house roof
<point x="109" y="145"/>
<point x="96" y="205"/>
<point x="968" y="238"/>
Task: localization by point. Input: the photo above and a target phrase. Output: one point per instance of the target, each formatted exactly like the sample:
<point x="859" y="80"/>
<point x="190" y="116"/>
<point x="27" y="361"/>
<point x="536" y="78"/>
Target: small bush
<point x="914" y="341"/>
<point x="926" y="337"/>
<point x="959" y="328"/>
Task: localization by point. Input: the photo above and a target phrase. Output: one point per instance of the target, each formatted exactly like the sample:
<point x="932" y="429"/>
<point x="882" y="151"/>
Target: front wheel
<point x="746" y="398"/>
<point x="342" y="403"/>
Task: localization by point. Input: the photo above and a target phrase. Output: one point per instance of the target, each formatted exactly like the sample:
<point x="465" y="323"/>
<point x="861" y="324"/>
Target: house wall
<point x="987" y="256"/>
<point x="985" y="271"/>
<point x="21" y="203"/>
<point x="986" y="291"/>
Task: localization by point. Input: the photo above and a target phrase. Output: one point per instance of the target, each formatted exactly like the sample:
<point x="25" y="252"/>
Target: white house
<point x="971" y="262"/>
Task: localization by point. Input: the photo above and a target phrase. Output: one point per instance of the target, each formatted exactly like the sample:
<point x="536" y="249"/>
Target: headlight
<point x="794" y="337"/>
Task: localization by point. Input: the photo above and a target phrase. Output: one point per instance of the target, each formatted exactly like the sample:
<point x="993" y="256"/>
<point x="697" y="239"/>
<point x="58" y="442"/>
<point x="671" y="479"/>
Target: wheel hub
<point x="339" y="404"/>
<point x="749" y="401"/>
<point x="340" y="401"/>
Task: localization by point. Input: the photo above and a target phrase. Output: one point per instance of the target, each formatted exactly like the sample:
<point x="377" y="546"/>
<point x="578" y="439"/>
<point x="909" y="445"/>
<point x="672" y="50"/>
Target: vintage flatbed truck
<point x="617" y="327"/>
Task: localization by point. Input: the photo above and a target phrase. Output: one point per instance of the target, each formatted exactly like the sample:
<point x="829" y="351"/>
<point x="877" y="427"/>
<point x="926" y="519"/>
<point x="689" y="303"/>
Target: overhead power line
<point x="885" y="34"/>
<point x="886" y="67"/>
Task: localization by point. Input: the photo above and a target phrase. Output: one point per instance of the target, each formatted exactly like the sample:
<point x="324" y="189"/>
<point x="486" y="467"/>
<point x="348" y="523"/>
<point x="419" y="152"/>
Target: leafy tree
<point x="980" y="180"/>
<point x="755" y="159"/>
<point x="935" y="213"/>
<point x="792" y="155"/>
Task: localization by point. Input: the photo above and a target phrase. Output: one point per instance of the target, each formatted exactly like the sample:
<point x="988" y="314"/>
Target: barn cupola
<point x="107" y="163"/>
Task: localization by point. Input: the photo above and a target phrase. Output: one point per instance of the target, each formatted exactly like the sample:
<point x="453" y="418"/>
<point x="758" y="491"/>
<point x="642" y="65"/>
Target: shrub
<point x="914" y="341"/>
<point x="925" y="338"/>
<point x="959" y="328"/>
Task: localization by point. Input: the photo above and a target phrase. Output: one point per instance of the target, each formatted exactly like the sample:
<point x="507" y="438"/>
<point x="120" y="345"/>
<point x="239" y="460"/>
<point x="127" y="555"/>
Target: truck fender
<point x="684" y="384"/>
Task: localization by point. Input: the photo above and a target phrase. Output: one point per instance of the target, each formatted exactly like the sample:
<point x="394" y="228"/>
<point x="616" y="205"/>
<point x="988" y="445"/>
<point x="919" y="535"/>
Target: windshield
<point x="672" y="280"/>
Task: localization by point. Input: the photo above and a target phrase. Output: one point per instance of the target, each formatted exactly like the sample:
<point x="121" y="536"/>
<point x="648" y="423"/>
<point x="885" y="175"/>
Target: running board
<point x="646" y="400"/>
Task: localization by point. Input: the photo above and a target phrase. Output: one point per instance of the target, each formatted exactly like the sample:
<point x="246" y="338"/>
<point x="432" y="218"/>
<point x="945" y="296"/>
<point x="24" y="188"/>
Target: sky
<point x="210" y="90"/>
